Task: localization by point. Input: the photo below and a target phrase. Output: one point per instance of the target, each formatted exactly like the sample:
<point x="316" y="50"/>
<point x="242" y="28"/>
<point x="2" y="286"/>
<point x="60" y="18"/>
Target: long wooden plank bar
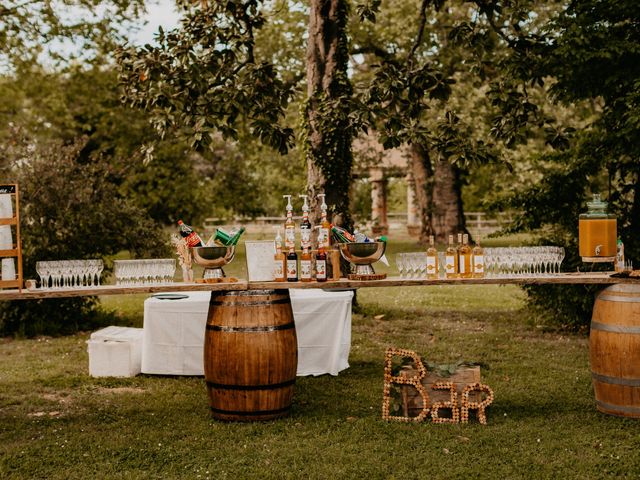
<point x="560" y="279"/>
<point x="119" y="290"/>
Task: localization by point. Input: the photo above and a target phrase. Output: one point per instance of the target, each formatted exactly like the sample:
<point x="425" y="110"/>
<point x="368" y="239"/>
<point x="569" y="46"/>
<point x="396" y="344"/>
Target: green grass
<point x="56" y="422"/>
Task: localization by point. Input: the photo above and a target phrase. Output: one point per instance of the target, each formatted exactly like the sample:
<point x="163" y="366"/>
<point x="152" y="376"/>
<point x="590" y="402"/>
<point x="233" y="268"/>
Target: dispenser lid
<point x="597" y="208"/>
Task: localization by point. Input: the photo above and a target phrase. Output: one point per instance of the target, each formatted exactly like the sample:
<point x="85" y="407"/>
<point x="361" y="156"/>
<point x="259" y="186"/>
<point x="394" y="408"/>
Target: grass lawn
<point x="56" y="422"/>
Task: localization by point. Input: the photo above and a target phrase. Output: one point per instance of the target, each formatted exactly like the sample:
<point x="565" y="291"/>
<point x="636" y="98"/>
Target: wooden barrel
<point x="250" y="355"/>
<point x="614" y="347"/>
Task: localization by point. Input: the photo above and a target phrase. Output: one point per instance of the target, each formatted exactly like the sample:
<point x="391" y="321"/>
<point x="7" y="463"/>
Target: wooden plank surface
<point x="8" y="221"/>
<point x="561" y="279"/>
<point x="119" y="290"/>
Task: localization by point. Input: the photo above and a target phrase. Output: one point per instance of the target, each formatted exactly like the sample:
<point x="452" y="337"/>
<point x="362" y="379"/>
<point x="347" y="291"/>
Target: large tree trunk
<point x="329" y="137"/>
<point x="438" y="195"/>
<point x="422" y="175"/>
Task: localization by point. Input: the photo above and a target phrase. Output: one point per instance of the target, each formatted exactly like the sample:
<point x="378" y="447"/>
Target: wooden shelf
<point x="561" y="279"/>
<point x="12" y="189"/>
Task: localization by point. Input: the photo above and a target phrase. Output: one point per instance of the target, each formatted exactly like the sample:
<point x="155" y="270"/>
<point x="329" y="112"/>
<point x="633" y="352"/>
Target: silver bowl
<point x="362" y="255"/>
<point x="213" y="259"/>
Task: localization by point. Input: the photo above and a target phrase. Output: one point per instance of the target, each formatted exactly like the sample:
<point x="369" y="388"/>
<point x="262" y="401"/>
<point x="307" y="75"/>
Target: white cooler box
<point x="115" y="352"/>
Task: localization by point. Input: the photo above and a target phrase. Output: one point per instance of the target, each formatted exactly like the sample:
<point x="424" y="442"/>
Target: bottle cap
<point x="289" y="206"/>
<point x="305" y="206"/>
<point x="323" y="205"/>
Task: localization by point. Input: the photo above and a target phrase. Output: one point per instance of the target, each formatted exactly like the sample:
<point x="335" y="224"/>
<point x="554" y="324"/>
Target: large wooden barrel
<point x="615" y="350"/>
<point x="250" y="355"/>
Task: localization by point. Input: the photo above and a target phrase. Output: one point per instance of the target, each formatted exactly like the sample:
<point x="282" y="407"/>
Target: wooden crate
<point x="412" y="401"/>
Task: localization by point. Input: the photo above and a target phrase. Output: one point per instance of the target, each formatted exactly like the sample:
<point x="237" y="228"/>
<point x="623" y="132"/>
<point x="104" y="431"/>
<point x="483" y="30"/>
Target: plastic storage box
<point x="115" y="352"/>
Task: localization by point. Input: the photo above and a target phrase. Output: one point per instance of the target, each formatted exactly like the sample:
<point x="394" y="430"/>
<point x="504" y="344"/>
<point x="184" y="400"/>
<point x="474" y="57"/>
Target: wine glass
<point x="400" y="263"/>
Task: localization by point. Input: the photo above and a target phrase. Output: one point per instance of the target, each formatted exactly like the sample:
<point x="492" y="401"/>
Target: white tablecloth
<point x="173" y="338"/>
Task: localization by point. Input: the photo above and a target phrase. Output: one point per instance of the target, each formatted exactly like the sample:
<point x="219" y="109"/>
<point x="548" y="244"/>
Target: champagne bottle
<point x="190" y="235"/>
<point x="451" y="260"/>
<point x="342" y="235"/>
<point x="464" y="258"/>
<point x="432" y="259"/>
<point x="478" y="261"/>
<point x="279" y="261"/>
<point x="225" y="239"/>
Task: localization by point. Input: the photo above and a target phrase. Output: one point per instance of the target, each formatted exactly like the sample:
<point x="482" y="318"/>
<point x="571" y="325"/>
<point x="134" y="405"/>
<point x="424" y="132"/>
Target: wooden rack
<point x="16" y="250"/>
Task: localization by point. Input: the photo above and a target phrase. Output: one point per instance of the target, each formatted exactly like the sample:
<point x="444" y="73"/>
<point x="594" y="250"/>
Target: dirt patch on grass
<point x="58" y="398"/>
<point x="118" y="390"/>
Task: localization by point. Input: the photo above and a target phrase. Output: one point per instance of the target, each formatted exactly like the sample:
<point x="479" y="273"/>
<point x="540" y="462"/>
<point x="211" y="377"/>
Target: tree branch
<point x="423" y="24"/>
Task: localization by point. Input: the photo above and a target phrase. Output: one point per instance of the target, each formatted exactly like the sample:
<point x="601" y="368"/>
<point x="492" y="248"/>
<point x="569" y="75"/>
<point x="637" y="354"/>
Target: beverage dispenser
<point x="597" y="233"/>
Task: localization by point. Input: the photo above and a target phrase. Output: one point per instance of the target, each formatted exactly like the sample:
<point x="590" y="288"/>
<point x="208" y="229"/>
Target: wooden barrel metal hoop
<point x="614" y="350"/>
<point x="250" y="355"/>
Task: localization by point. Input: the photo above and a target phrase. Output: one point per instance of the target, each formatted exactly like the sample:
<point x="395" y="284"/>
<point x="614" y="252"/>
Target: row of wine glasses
<point x="69" y="273"/>
<point x="523" y="261"/>
<point x="499" y="262"/>
<point x="144" y="272"/>
<point x="412" y="264"/>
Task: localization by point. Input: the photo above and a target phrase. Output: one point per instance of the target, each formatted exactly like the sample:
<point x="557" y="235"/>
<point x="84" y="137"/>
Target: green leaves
<point x="204" y="78"/>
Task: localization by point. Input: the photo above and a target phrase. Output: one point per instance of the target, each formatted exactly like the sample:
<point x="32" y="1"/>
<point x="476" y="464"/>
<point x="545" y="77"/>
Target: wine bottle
<point x="464" y="258"/>
<point x="451" y="260"/>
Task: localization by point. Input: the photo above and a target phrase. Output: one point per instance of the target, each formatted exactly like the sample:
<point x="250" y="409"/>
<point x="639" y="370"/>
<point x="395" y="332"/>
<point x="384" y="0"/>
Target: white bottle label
<point x="305" y="237"/>
<point x="323" y="237"/>
<point x="450" y="264"/>
<point x="305" y="269"/>
<point x="321" y="269"/>
<point x="431" y="265"/>
<point x="292" y="269"/>
<point x="290" y="237"/>
<point x="478" y="264"/>
<point x="278" y="269"/>
<point x="461" y="264"/>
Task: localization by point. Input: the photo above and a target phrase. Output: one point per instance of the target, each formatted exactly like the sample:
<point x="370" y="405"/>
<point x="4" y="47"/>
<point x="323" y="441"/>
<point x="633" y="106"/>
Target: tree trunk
<point x="438" y="196"/>
<point x="329" y="136"/>
<point x="422" y="174"/>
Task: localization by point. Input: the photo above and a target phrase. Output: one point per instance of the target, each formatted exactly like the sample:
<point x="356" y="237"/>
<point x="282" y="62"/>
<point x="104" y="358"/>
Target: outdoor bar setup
<point x="250" y="344"/>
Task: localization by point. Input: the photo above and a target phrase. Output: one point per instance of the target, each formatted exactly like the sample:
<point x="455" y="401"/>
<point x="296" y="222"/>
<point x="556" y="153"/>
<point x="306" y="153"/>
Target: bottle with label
<point x="305" y="225"/>
<point x="451" y="260"/>
<point x="305" y="265"/>
<point x="432" y="259"/>
<point x="465" y="267"/>
<point x="289" y="226"/>
<point x="321" y="265"/>
<point x="342" y="235"/>
<point x="477" y="258"/>
<point x="292" y="265"/>
<point x="190" y="235"/>
<point x="225" y="239"/>
<point x="324" y="232"/>
<point x="279" y="261"/>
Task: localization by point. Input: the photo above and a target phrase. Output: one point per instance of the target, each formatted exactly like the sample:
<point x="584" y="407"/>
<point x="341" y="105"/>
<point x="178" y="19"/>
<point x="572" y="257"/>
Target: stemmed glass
<point x="43" y="270"/>
<point x="400" y="264"/>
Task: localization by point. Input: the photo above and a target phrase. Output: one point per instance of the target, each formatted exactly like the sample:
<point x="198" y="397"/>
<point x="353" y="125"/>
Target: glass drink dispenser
<point x="597" y="233"/>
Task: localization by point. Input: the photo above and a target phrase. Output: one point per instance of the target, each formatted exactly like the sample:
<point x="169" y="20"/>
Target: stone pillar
<point x="378" y="201"/>
<point x="413" y="222"/>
